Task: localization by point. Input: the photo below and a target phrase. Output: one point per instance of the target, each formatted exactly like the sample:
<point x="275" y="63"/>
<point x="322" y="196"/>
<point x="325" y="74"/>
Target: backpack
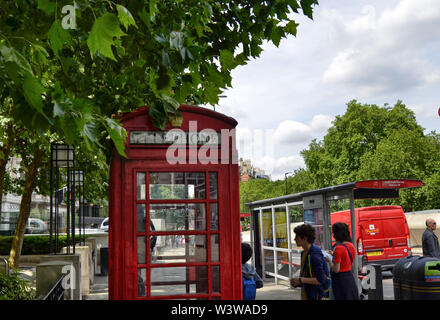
<point x="249" y="289"/>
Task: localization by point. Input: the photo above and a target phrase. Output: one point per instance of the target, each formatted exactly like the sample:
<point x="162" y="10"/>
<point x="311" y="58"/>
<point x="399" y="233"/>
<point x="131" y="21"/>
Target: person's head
<point x="341" y="232"/>
<point x="246" y="252"/>
<point x="431" y="224"/>
<point x="304" y="232"/>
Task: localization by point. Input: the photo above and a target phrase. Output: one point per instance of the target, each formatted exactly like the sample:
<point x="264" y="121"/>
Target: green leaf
<point x="58" y="110"/>
<point x="173" y="102"/>
<point x="47" y="6"/>
<point x="104" y="29"/>
<point x="176" y="40"/>
<point x="211" y="94"/>
<point x="91" y="134"/>
<point x="117" y="134"/>
<point x="12" y="55"/>
<point x="277" y="34"/>
<point x="227" y="60"/>
<point x="306" y="6"/>
<point x="125" y="17"/>
<point x="58" y="36"/>
<point x="291" y="27"/>
<point x="32" y="90"/>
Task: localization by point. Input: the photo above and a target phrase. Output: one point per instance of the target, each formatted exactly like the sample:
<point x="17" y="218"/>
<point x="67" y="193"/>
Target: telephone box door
<point x="177" y="237"/>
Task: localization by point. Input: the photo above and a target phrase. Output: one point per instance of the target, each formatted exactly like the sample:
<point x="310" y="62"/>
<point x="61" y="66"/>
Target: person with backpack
<point x="314" y="276"/>
<point x="251" y="279"/>
<point x="343" y="282"/>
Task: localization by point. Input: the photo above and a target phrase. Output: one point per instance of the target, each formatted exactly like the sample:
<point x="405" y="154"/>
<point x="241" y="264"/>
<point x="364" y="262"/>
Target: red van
<point x="382" y="233"/>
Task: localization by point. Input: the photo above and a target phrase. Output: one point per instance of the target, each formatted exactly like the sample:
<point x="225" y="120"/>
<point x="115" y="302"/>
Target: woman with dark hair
<point x="343" y="282"/>
<point x="314" y="276"/>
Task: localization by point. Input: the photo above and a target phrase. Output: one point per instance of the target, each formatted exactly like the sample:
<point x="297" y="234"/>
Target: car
<point x="104" y="225"/>
<point x="35" y="225"/>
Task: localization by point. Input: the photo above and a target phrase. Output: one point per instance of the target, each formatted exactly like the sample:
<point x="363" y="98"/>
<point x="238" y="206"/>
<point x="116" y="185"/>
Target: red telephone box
<point x="174" y="229"/>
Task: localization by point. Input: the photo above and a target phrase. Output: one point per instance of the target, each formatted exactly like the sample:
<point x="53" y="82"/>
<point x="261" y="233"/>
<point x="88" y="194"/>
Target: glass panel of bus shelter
<point x="281" y="227"/>
<point x="179" y="280"/>
<point x="316" y="219"/>
<point x="180" y="249"/>
<point x="268" y="260"/>
<point x="267" y="227"/>
<point x="181" y="217"/>
<point x="296" y="214"/>
<point x="177" y="185"/>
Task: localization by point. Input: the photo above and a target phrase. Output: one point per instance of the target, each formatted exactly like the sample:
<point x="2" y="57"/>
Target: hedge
<point x="32" y="244"/>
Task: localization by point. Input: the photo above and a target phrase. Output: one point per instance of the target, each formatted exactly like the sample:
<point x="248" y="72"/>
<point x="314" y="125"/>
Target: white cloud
<point x="373" y="51"/>
<point x="276" y="167"/>
<point x="383" y="53"/>
<point x="294" y="132"/>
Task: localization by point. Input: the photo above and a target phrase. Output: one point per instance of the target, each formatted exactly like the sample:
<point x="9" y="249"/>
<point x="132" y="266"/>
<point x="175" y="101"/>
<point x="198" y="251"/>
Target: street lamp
<point x="77" y="179"/>
<point x="285" y="179"/>
<point x="61" y="156"/>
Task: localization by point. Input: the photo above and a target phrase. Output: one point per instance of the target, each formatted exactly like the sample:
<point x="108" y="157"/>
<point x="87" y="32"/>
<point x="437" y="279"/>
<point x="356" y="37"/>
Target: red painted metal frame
<point x="389" y="184"/>
<point x="122" y="210"/>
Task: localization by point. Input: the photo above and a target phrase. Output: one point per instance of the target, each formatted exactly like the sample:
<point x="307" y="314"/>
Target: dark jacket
<point x="320" y="270"/>
<point x="430" y="244"/>
<point x="248" y="271"/>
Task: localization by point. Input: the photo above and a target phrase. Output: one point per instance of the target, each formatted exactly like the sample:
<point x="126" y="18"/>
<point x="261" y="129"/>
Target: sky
<point x="376" y="52"/>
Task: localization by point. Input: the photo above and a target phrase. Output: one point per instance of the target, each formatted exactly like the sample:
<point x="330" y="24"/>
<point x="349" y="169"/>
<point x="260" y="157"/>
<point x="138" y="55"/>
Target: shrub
<point x="12" y="287"/>
<point x="32" y="244"/>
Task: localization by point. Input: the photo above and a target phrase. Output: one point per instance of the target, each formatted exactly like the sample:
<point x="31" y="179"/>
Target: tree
<point x="371" y="142"/>
<point x="337" y="158"/>
<point x="67" y="74"/>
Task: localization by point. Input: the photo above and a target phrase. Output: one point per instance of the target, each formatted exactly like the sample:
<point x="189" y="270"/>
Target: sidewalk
<point x="270" y="291"/>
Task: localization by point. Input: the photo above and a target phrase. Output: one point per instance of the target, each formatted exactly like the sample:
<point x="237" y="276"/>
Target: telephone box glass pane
<point x="179" y="280"/>
<point x="141" y="218"/>
<point x="215" y="279"/>
<point x="140" y="183"/>
<point x="213" y="207"/>
<point x="179" y="249"/>
<point x="214" y="248"/>
<point x="141" y="250"/>
<point x="182" y="217"/>
<point x="177" y="185"/>
<point x="142" y="283"/>
<point x="213" y="185"/>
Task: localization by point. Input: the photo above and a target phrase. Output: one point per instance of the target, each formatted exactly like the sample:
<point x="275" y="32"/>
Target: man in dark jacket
<point x="430" y="243"/>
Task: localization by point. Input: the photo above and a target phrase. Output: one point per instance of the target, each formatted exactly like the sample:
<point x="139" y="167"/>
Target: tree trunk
<point x="6" y="150"/>
<point x="25" y="205"/>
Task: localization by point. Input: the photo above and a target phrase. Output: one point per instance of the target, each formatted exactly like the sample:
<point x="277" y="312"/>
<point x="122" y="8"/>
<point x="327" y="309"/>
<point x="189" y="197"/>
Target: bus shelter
<point x="273" y="221"/>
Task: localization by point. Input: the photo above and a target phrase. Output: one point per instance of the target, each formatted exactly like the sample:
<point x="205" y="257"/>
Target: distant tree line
<point x="367" y="142"/>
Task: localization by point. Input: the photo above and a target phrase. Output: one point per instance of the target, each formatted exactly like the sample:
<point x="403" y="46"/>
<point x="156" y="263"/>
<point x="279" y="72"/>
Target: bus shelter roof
<point x="367" y="189"/>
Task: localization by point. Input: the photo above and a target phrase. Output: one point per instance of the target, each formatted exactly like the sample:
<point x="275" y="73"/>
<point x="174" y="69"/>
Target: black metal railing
<point x="56" y="293"/>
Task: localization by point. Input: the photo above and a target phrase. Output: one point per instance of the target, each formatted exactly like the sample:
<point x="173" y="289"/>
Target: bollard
<point x="373" y="281"/>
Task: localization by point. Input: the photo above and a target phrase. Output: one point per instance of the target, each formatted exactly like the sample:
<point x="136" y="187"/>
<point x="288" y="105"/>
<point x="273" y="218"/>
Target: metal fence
<point x="56" y="293"/>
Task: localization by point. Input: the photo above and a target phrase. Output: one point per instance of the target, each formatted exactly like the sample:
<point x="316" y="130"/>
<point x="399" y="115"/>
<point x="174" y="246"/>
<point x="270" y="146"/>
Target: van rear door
<point x="371" y="233"/>
<point x="396" y="233"/>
